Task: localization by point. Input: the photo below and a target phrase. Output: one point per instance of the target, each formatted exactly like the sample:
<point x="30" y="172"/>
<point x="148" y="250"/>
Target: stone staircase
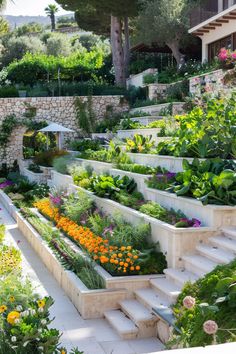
<point x="149" y="312"/>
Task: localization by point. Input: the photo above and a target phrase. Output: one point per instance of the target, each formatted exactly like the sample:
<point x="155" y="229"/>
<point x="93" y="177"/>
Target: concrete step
<point x="136" y="311"/>
<point x="230" y="231"/>
<point x="180" y="276"/>
<point x="141" y="316"/>
<point x="167" y="288"/>
<point x="150" y="298"/>
<point x="123" y="325"/>
<point x="198" y="264"/>
<point x="215" y="254"/>
<point x="224" y="242"/>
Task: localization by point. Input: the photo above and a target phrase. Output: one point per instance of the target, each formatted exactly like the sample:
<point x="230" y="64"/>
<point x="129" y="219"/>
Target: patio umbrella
<point x="59" y="130"/>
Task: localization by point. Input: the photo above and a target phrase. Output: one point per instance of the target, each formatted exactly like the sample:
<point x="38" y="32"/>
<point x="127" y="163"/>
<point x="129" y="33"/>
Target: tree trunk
<point x="174" y="46"/>
<point x="126" y="46"/>
<point x="53" y="22"/>
<point x="117" y="50"/>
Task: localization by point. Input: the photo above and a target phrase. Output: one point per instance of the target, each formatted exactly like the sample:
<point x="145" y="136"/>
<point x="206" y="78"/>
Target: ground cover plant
<point x="205" y="311"/>
<point x="123" y="190"/>
<point x="205" y="132"/>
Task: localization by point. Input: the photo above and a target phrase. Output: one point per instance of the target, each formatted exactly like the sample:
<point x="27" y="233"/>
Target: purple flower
<point x="56" y="200"/>
<point x="196" y="223"/>
<point x="5" y="184"/>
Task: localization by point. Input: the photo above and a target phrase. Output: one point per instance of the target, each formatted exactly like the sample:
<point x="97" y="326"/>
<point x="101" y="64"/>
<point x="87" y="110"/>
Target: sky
<point x="29" y="7"/>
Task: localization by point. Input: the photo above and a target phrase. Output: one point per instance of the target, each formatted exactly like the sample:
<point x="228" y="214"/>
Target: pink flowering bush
<point x="226" y="56"/>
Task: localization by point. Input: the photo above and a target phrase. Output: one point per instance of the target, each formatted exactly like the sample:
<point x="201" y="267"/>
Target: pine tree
<point x="102" y="16"/>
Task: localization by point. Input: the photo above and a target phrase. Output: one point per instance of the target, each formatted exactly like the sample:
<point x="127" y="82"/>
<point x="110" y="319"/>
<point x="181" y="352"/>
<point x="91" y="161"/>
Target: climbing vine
<point x="85" y="114"/>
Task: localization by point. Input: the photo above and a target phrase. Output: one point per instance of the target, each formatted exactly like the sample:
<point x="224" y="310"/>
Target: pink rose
<point x="189" y="302"/>
<point x="210" y="327"/>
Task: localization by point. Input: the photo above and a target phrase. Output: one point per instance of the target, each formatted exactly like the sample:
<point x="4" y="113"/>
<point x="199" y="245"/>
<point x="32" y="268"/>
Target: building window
<point x="225" y="4"/>
<point x="214" y="48"/>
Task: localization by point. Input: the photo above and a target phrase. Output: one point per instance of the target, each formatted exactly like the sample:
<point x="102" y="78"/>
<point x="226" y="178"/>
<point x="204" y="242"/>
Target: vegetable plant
<point x="210" y="181"/>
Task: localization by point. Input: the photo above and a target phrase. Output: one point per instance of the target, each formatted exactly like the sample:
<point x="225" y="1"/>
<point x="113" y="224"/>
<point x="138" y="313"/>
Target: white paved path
<point x="91" y="336"/>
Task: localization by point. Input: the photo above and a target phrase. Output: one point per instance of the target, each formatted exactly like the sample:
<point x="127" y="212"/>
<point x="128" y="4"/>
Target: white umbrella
<point x="59" y="129"/>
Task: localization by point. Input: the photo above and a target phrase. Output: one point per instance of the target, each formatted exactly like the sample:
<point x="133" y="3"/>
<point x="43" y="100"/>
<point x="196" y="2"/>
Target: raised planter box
<point x="99" y="167"/>
<point x="35" y="177"/>
<point x="130" y="283"/>
<point x="107" y="136"/>
<point x="89" y="303"/>
<point x="146" y="119"/>
<point x="177" y="108"/>
<point x="210" y="215"/>
<point x="139" y="179"/>
<point x="171" y="163"/>
<point x="60" y="180"/>
<point x="174" y="242"/>
<point x="47" y="171"/>
<point x="124" y="134"/>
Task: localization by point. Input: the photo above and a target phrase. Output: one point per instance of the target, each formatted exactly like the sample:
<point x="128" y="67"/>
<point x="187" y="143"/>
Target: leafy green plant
<point x="161" y="180"/>
<point x="62" y="164"/>
<point x="2" y="233"/>
<point x="211" y="181"/>
<point x="136" y="168"/>
<point x="140" y="144"/>
<point x="205" y="132"/>
<point x="85" y="144"/>
<point x="150" y="79"/>
<point x="35" y="168"/>
<point x="157" y="211"/>
<point x="46" y="158"/>
<point x="77" y="206"/>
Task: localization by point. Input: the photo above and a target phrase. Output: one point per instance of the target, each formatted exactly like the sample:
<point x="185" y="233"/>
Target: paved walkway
<point x="91" y="336"/>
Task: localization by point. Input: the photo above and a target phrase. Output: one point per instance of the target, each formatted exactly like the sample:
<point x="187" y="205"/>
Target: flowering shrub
<point x="118" y="260"/>
<point x="205" y="310"/>
<point x="161" y="181"/>
<point x="25" y="329"/>
<point x="227" y="56"/>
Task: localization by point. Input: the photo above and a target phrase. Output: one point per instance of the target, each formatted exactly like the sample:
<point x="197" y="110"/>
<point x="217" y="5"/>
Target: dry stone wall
<point x="59" y="110"/>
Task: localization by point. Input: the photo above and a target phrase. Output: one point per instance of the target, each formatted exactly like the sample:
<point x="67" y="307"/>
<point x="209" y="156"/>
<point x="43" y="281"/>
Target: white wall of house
<point x="220" y="32"/>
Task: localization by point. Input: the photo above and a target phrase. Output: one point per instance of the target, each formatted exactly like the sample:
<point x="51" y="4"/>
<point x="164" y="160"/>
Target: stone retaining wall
<point x="60" y="110"/>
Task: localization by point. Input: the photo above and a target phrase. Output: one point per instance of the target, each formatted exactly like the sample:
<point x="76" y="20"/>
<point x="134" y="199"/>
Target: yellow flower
<point x="63" y="351"/>
<point x="3" y="308"/>
<point x="12" y="317"/>
<point x="41" y="303"/>
<point x="12" y="299"/>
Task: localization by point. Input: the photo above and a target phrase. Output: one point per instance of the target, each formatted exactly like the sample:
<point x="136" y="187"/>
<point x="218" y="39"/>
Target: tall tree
<point x="51" y="11"/>
<point x="102" y="17"/>
<point x="165" y="22"/>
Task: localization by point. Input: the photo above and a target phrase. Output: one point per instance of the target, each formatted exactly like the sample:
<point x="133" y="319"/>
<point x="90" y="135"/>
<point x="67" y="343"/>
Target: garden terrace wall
<point x="210" y="215"/>
<point x="171" y="163"/>
<point x="59" y="110"/>
<point x="174" y="242"/>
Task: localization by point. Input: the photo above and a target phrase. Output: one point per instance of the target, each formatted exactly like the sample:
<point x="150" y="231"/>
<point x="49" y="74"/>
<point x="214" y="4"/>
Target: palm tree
<point x="51" y="10"/>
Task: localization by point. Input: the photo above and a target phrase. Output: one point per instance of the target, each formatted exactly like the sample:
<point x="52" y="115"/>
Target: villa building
<point x="214" y="22"/>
